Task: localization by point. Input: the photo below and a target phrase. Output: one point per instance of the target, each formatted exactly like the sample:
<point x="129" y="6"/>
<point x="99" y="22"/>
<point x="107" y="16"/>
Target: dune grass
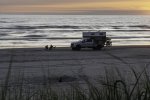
<point x="112" y="87"/>
<point x="109" y="88"/>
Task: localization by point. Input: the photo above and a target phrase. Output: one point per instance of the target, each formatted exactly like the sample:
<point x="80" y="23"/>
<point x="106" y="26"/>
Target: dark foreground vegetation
<point x="111" y="87"/>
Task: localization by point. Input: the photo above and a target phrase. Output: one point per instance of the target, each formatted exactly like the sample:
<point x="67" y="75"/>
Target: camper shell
<point x="96" y="36"/>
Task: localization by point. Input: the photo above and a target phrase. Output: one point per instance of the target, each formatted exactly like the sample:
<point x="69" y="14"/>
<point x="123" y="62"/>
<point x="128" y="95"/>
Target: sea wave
<point x="81" y="28"/>
<point x="40" y="30"/>
<point x="3" y="21"/>
<point x="70" y="38"/>
<point x="140" y="26"/>
<point x="40" y="27"/>
<point x="35" y="36"/>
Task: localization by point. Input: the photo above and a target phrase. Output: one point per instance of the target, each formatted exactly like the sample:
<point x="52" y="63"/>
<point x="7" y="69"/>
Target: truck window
<point x="89" y="40"/>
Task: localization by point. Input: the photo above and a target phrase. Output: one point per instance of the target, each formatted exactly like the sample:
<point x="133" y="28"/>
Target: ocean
<point x="23" y="31"/>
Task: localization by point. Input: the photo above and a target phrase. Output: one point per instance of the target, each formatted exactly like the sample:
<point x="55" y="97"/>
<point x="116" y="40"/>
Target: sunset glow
<point x="139" y="6"/>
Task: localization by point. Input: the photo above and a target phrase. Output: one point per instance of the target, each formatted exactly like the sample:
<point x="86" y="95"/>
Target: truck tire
<point x="78" y="47"/>
<point x="99" y="47"/>
<point x="73" y="48"/>
<point x="94" y="48"/>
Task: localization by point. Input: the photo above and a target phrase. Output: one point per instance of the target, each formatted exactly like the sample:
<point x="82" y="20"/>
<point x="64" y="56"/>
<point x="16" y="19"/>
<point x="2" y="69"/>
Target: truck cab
<point x="87" y="42"/>
<point x="95" y="40"/>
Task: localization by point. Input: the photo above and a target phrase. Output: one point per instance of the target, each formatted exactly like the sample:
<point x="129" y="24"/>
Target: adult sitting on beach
<point x="46" y="47"/>
<point x="51" y="47"/>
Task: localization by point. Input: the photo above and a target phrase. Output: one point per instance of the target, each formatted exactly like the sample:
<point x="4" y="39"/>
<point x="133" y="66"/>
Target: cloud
<point x="34" y="2"/>
<point x="76" y="6"/>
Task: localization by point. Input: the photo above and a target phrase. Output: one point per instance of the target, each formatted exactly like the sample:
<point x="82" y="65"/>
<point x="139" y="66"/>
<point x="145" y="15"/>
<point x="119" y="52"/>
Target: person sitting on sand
<point x="46" y="47"/>
<point x="51" y="47"/>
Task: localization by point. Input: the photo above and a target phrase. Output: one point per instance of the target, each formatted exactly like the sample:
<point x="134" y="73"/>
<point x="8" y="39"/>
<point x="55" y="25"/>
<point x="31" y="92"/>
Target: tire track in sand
<point x="116" y="57"/>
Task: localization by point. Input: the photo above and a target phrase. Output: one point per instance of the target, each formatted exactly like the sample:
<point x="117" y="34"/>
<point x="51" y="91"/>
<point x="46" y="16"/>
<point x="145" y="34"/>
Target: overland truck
<point x="95" y="40"/>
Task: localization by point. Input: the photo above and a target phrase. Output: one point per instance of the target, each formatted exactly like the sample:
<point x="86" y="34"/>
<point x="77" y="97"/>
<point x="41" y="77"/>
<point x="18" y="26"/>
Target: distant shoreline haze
<point x="84" y="12"/>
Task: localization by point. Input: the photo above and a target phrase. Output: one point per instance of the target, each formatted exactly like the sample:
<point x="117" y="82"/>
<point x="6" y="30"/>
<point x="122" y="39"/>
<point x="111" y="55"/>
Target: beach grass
<point x="112" y="87"/>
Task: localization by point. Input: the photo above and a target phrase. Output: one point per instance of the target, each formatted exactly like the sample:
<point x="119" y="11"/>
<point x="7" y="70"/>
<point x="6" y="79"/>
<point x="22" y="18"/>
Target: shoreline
<point x="67" y="47"/>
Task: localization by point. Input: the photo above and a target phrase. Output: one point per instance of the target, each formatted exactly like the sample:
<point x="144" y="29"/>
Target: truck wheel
<point x="78" y="47"/>
<point x="99" y="47"/>
<point x="94" y="48"/>
<point x="73" y="48"/>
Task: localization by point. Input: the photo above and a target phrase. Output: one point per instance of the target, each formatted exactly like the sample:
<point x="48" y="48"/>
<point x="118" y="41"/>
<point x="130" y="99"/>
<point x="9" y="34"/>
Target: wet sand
<point x="64" y="65"/>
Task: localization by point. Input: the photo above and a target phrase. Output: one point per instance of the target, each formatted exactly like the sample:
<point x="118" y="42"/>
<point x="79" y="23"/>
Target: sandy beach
<point x="65" y="65"/>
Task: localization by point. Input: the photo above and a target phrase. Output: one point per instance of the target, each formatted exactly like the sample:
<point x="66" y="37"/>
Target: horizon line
<point x="82" y="12"/>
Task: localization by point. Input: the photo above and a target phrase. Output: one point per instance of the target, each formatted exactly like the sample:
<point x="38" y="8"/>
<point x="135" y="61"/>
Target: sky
<point x="75" y="6"/>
